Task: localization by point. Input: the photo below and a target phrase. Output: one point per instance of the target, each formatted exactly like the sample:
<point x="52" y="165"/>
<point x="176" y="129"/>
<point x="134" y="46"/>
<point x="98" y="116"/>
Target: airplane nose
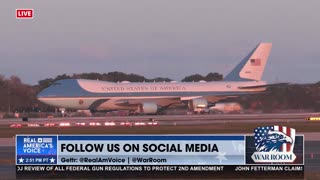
<point x="42" y="94"/>
<point x="39" y="95"/>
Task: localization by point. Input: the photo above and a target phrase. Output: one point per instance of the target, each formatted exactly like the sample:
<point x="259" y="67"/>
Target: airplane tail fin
<point x="251" y="68"/>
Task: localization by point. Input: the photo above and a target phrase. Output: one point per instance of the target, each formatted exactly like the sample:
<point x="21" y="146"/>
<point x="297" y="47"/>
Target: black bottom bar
<point x="160" y="172"/>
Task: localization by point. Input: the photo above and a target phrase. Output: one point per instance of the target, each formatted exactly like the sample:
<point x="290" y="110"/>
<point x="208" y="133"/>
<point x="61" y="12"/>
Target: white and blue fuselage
<point x="83" y="94"/>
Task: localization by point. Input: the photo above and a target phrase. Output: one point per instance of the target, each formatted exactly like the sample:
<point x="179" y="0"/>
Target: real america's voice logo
<point x="274" y="144"/>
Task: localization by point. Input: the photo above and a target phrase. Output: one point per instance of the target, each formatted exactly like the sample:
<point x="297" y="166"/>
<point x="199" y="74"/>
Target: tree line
<point x="18" y="96"/>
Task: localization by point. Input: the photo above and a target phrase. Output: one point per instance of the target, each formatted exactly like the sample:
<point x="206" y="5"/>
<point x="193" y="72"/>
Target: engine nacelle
<point x="148" y="108"/>
<point x="198" y="103"/>
<point x="227" y="107"/>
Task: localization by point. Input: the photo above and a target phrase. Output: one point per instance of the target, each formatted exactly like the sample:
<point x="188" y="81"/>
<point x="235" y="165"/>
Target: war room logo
<point x="274" y="144"/>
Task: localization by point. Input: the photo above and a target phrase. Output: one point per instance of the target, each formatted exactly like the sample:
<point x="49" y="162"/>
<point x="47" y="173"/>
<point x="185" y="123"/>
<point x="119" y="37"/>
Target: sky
<point x="159" y="38"/>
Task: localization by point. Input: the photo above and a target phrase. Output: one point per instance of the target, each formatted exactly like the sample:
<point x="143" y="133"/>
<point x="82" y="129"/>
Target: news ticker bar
<point x="160" y="171"/>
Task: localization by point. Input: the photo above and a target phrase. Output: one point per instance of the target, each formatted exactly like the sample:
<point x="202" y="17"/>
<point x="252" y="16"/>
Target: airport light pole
<point x="9" y="106"/>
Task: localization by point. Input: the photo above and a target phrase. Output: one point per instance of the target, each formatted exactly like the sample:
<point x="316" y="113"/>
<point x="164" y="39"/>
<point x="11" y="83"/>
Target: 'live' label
<point x="24" y="13"/>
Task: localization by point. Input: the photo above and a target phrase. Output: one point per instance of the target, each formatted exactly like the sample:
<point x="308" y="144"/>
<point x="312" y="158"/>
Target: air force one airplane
<point x="150" y="98"/>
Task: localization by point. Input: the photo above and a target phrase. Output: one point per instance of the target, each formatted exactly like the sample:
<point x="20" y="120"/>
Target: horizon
<point x="7" y="78"/>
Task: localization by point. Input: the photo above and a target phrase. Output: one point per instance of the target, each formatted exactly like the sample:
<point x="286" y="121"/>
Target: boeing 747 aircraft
<point x="150" y="98"/>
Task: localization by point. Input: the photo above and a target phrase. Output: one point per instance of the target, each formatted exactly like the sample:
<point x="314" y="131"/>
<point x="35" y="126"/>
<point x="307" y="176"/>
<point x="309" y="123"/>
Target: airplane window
<point x="55" y="84"/>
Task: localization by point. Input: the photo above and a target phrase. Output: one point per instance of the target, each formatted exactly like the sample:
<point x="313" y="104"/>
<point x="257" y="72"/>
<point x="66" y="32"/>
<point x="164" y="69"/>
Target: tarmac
<point x="312" y="139"/>
<point x="181" y="119"/>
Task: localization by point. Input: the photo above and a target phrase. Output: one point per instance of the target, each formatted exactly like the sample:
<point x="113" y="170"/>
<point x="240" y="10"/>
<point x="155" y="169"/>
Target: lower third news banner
<point x="145" y="157"/>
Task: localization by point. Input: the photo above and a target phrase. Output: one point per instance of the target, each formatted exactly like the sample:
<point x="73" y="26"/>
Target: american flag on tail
<point x="255" y="62"/>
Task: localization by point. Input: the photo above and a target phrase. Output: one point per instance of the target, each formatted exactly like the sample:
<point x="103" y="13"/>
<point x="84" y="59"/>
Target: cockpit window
<point x="56" y="84"/>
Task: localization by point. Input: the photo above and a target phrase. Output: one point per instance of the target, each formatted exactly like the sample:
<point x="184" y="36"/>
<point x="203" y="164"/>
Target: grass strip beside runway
<point x="219" y="128"/>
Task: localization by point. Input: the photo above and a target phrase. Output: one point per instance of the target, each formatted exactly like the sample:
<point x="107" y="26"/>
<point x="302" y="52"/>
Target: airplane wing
<point x="263" y="86"/>
<point x="169" y="101"/>
<point x="162" y="103"/>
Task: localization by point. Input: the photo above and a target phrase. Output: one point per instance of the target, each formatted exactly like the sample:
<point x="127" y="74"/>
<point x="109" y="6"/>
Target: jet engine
<point x="227" y="107"/>
<point x="198" y="103"/>
<point x="148" y="108"/>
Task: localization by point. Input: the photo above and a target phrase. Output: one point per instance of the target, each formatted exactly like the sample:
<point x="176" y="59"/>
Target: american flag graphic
<point x="261" y="133"/>
<point x="255" y="62"/>
<point x="47" y="140"/>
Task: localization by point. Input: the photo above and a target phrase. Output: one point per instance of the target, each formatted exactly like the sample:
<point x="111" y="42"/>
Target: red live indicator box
<point x="24" y="13"/>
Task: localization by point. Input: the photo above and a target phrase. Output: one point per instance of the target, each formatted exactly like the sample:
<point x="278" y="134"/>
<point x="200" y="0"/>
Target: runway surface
<point x="173" y="119"/>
